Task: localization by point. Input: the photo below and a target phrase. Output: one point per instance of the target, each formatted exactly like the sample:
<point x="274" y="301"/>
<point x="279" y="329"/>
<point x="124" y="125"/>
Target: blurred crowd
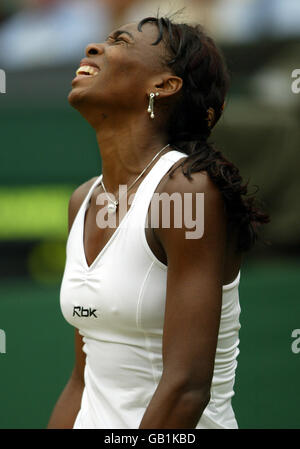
<point x="45" y="32"/>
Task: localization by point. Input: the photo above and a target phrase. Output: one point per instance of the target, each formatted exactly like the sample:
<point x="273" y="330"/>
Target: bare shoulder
<point x="199" y="182"/>
<point x="202" y="218"/>
<point x="77" y="198"/>
<point x="218" y="240"/>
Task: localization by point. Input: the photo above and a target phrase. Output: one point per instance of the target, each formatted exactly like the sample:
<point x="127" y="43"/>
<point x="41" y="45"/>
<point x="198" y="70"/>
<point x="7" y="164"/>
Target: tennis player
<point x="156" y="310"/>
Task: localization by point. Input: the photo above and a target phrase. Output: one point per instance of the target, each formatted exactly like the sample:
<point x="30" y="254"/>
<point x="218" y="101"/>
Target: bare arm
<point x="68" y="404"/>
<point x="192" y="314"/>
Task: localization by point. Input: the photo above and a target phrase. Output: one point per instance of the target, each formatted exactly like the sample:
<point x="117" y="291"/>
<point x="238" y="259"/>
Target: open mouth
<point x="87" y="70"/>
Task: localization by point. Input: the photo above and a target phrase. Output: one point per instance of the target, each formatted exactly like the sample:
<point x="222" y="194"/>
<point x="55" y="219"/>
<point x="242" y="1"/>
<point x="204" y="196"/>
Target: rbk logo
<point x="82" y="312"/>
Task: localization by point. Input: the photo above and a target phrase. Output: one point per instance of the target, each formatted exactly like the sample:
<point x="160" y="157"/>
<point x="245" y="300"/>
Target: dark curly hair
<point x="195" y="58"/>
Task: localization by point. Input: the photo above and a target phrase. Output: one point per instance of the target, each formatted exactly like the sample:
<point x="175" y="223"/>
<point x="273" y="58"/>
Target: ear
<point x="168" y="85"/>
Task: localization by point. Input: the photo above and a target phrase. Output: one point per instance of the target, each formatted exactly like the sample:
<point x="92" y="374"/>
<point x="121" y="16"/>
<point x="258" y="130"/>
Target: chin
<point x="76" y="98"/>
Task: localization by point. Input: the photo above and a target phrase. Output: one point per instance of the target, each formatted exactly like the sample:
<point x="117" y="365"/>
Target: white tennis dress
<point x="117" y="303"/>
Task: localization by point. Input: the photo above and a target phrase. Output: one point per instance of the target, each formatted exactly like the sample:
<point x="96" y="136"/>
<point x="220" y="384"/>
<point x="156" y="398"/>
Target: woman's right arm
<point x="68" y="404"/>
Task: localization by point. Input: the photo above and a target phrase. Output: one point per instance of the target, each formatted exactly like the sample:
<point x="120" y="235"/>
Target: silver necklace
<point x="113" y="205"/>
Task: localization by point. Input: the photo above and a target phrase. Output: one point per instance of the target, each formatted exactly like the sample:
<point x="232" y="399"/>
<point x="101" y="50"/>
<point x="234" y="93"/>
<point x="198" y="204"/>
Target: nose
<point x="94" y="49"/>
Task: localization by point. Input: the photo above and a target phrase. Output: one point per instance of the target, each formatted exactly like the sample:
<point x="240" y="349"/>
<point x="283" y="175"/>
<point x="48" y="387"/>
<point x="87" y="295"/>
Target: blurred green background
<point x="47" y="149"/>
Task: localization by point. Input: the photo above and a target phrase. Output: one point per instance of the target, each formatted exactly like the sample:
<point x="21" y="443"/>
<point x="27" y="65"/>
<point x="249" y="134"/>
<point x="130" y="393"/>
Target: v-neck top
<point x="82" y="220"/>
<point x="118" y="305"/>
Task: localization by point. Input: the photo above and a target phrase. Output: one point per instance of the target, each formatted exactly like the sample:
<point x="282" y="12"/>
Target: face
<point x="119" y="74"/>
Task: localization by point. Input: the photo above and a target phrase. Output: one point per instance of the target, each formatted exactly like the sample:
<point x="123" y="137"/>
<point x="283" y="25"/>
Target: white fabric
<point x="126" y="284"/>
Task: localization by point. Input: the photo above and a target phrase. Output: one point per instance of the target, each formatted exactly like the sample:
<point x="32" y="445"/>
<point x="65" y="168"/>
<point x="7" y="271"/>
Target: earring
<point x="151" y="104"/>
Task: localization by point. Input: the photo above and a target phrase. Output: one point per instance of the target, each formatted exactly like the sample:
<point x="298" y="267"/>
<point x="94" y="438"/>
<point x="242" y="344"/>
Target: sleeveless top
<point x="117" y="303"/>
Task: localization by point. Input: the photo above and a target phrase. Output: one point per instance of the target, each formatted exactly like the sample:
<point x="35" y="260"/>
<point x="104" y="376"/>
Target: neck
<point x="126" y="148"/>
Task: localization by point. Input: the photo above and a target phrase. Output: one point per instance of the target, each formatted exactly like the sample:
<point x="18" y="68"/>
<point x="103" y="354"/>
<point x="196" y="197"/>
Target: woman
<point x="157" y="313"/>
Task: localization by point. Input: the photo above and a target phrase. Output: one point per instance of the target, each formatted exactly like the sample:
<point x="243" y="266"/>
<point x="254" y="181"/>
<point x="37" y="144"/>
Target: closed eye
<point x="116" y="39"/>
<point x="119" y="39"/>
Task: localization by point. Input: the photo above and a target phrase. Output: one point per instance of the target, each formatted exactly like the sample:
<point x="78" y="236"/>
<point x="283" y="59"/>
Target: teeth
<point x="87" y="69"/>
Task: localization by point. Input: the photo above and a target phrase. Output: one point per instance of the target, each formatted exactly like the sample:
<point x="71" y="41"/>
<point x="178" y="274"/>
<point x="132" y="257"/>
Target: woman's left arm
<point x="192" y="312"/>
